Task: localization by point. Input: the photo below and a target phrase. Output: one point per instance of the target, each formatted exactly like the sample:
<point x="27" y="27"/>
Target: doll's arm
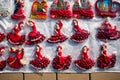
<point x="20" y="54"/>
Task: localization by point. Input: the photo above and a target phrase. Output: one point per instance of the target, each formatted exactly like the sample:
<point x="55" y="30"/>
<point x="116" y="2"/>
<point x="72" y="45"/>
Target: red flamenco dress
<point x="2" y="36"/>
<point x="14" y="37"/>
<point x="106" y="32"/>
<point x="2" y="61"/>
<point x="39" y="62"/>
<point x="18" y="12"/>
<point x="80" y="35"/>
<point x="58" y="37"/>
<point x="34" y="37"/>
<point x="106" y="61"/>
<point x="61" y="62"/>
<point x="85" y="62"/>
<point x="83" y="11"/>
<point x="15" y="58"/>
<point x="60" y="9"/>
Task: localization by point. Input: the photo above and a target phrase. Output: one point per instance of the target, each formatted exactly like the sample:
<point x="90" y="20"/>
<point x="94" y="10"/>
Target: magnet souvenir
<point x="107" y="32"/>
<point x="80" y="35"/>
<point x="106" y="60"/>
<point x="85" y="62"/>
<point x="60" y="9"/>
<point x="39" y="10"/>
<point x="15" y="58"/>
<point x="61" y="62"/>
<point x="19" y="10"/>
<point x="107" y="8"/>
<point x="14" y="37"/>
<point x="40" y="62"/>
<point x="34" y="36"/>
<point x="58" y="36"/>
<point x="82" y="9"/>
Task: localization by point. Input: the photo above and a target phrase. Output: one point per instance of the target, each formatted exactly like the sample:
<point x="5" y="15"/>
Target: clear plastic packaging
<point x="46" y="27"/>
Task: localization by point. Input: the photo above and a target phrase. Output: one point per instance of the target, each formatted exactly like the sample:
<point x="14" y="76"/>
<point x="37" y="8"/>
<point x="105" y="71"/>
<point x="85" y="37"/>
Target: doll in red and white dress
<point x="34" y="37"/>
<point x="19" y="11"/>
<point x="2" y="60"/>
<point x="15" y="59"/>
<point x="2" y="36"/>
<point x="39" y="62"/>
<point x="80" y="35"/>
<point x="105" y="60"/>
<point x="61" y="62"/>
<point x="82" y="9"/>
<point x="107" y="32"/>
<point x="60" y="9"/>
<point x="14" y="37"/>
<point x="58" y="37"/>
<point x="85" y="62"/>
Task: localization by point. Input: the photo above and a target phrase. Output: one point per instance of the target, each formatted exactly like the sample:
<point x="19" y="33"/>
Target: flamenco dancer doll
<point x="14" y="37"/>
<point x="85" y="62"/>
<point x="15" y="59"/>
<point x="107" y="32"/>
<point x="106" y="61"/>
<point x="34" y="37"/>
<point x="60" y="9"/>
<point x="2" y="60"/>
<point x="39" y="62"/>
<point x="57" y="37"/>
<point x="39" y="10"/>
<point x="19" y="11"/>
<point x="61" y="62"/>
<point x="82" y="9"/>
<point x="80" y="34"/>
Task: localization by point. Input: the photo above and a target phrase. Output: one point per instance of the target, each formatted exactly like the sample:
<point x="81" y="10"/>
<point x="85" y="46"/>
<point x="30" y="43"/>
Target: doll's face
<point x="29" y="23"/>
<point x="68" y="3"/>
<point x="21" y="26"/>
<point x="84" y="48"/>
<point x="104" y="47"/>
<point x="59" y="49"/>
<point x="12" y="48"/>
<point x="19" y="48"/>
<point x="16" y="26"/>
<point x="75" y="22"/>
<point x="57" y="25"/>
<point x="37" y="48"/>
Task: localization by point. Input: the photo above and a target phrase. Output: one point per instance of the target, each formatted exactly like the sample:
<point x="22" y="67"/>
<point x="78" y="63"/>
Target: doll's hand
<point x="22" y="61"/>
